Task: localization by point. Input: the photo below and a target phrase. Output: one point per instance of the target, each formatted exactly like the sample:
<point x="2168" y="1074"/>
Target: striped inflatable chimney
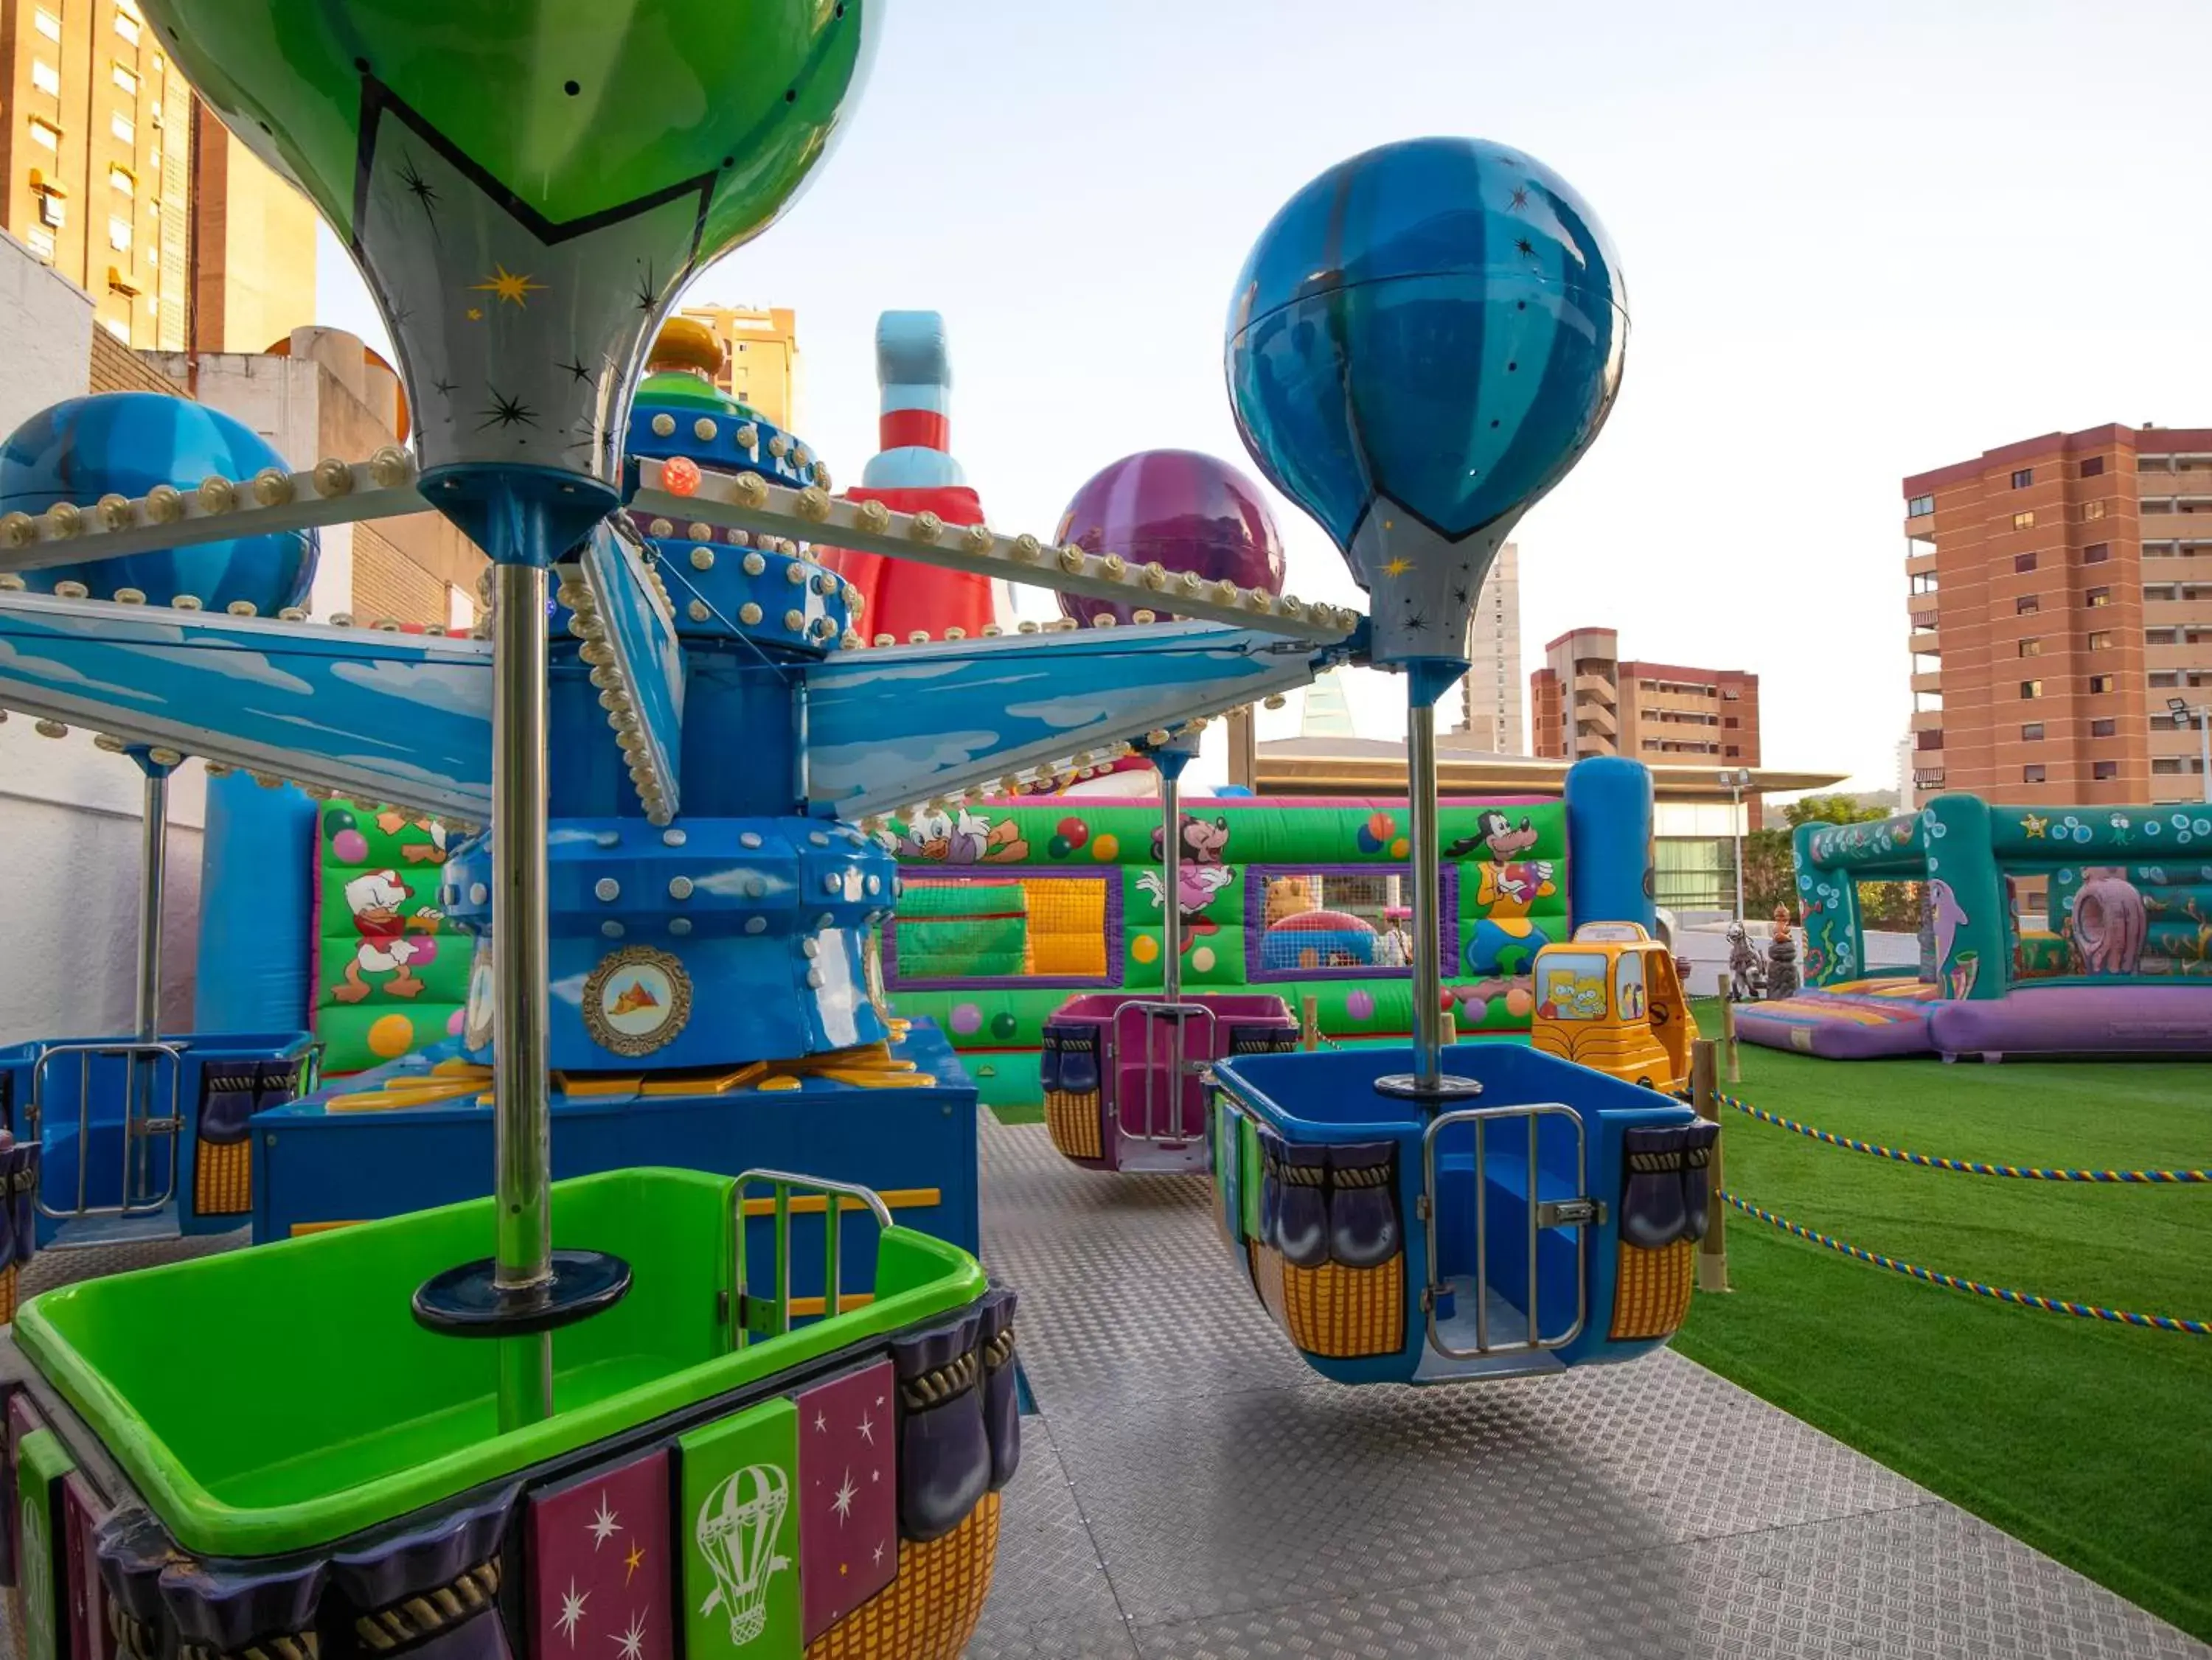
<point x="915" y="472"/>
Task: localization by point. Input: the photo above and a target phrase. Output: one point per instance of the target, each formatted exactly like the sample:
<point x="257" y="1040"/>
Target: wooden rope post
<point x="1310" y="1023"/>
<point x="1451" y="1027"/>
<point x="1728" y="1031"/>
<point x="1713" y="1250"/>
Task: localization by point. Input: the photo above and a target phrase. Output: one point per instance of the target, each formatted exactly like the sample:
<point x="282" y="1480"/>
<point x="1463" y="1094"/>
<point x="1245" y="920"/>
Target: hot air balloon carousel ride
<point x="119" y="1137"/>
<point x="622" y="1418"/>
<point x="1421" y="344"/>
<point x="1123" y="1075"/>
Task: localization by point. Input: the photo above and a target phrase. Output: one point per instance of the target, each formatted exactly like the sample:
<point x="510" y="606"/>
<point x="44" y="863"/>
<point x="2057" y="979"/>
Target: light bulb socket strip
<point x="331" y="492"/>
<point x="748" y="502"/>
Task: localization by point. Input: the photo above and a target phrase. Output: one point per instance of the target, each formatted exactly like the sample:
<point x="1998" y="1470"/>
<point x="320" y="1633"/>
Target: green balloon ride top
<point x="526" y="183"/>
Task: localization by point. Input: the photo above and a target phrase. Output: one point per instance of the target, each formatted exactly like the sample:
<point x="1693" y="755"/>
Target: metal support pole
<point x="522" y="1112"/>
<point x="152" y="875"/>
<point x="1713" y="1250"/>
<point x="1428" y="980"/>
<point x="1428" y="1080"/>
<point x="1727" y="1030"/>
<point x="1171" y="878"/>
<point x="1736" y="829"/>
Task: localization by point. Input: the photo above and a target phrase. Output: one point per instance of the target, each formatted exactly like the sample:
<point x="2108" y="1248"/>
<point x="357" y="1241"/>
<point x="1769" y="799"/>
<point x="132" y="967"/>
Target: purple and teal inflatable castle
<point x="2124" y="965"/>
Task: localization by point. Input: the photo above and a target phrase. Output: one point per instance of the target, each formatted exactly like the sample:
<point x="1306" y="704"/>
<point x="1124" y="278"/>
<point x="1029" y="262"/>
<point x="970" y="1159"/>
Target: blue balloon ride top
<point x="1422" y="342"/>
<point x="127" y="444"/>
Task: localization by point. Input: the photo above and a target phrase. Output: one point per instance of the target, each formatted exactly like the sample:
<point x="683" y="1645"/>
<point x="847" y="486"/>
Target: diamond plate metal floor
<point x="1191" y="1489"/>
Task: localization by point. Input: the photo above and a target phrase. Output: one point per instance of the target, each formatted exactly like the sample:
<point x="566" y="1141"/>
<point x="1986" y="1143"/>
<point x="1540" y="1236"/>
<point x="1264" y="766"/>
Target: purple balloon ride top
<point x="1186" y="512"/>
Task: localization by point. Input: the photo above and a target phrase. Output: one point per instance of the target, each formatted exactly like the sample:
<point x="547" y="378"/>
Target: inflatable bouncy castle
<point x="2123" y="964"/>
<point x="1009" y="909"/>
<point x="914" y="473"/>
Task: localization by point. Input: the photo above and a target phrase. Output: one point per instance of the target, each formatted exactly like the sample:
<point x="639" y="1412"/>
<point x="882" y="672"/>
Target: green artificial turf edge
<point x="2085" y="1441"/>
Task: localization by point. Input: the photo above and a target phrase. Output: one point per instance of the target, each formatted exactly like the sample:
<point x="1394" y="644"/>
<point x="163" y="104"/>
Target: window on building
<point x="2031" y="733"/>
<point x="53" y="212"/>
<point x="2023" y="478"/>
<point x="41" y="242"/>
<point x="2097" y="596"/>
<point x="2025" y="604"/>
<point x="2096" y="552"/>
<point x="125" y="131"/>
<point x="46" y="77"/>
<point x="119" y="234"/>
<point x="2104" y="729"/>
<point x="2094" y="467"/>
<point x="127" y="80"/>
<point x="2099" y="684"/>
<point x="119" y="180"/>
<point x="2031" y="648"/>
<point x="2023" y="521"/>
<point x="2162" y="680"/>
<point x="2101" y="640"/>
<point x="2031" y="774"/>
<point x="47" y="23"/>
<point x="2031" y="689"/>
<point x="2092" y="510"/>
<point x="2104" y="769"/>
<point x="1729" y="721"/>
<point x="2022" y="563"/>
<point x="45" y="133"/>
<point x="1919" y="505"/>
<point x="127" y="25"/>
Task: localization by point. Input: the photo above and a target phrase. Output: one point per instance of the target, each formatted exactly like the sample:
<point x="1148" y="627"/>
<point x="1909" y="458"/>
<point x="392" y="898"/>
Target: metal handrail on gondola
<point x="1576" y="1213"/>
<point x="770" y="1316"/>
<point x="1178" y="1064"/>
<point x="138" y="1128"/>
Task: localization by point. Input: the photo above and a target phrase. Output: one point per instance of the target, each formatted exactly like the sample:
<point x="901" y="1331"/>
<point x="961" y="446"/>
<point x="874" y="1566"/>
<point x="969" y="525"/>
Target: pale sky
<point x="1859" y="241"/>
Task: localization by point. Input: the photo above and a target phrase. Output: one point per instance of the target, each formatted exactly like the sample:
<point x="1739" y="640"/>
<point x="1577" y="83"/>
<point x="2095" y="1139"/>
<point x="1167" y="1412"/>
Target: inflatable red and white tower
<point x="915" y="472"/>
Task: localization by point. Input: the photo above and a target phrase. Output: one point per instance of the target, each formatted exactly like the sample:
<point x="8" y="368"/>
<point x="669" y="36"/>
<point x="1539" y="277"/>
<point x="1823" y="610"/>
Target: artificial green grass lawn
<point x="2090" y="1441"/>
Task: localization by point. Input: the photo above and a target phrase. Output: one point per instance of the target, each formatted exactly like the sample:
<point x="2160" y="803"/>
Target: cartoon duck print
<point x="374" y="898"/>
<point x="943" y="838"/>
<point x="391" y="821"/>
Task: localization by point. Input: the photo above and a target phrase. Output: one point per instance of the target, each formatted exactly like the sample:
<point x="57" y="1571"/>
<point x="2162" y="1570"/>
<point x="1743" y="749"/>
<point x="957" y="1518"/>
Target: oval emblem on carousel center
<point x="636" y="1001"/>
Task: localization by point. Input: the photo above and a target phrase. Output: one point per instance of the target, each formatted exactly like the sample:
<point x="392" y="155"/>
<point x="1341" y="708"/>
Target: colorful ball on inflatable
<point x="1421" y="343"/>
<point x="1377" y="834"/>
<point x="349" y="847"/>
<point x="391" y="1036"/>
<point x="1074" y="830"/>
<point x="125" y="444"/>
<point x="1179" y="510"/>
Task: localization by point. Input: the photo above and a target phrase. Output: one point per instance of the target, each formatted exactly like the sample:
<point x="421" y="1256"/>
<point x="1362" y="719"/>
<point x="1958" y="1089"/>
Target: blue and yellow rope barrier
<point x="1952" y="1281"/>
<point x="1969" y="1166"/>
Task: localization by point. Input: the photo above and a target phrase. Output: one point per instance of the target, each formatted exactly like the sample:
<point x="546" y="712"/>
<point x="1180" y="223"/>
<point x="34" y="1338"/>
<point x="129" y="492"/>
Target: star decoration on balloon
<point x="508" y="287"/>
<point x="507" y="412"/>
<point x="1397" y="567"/>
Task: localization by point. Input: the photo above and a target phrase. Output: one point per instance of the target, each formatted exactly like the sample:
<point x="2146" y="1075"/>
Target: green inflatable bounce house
<point x="1008" y="910"/>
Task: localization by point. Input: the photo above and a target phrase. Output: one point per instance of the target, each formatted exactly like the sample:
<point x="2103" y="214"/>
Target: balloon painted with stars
<point x="125" y="444"/>
<point x="1423" y="342"/>
<point x="526" y="183"/>
<point x="1179" y="509"/>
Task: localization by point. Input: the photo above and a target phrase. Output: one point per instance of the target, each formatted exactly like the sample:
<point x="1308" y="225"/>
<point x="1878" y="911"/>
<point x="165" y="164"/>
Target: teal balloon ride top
<point x="526" y="184"/>
<point x="1423" y="342"/>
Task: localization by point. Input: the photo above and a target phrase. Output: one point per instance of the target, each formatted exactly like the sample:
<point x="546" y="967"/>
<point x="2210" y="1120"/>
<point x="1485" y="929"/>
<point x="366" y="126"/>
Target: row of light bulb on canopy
<point x="391" y="468"/>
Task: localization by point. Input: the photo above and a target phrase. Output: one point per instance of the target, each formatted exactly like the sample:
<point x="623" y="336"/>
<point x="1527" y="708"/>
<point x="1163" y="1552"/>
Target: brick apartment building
<point x="2060" y="594"/>
<point x="1587" y="701"/>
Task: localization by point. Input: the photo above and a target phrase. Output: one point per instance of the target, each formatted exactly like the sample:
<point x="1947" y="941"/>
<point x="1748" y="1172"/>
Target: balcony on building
<point x="1928" y="742"/>
<point x="1930" y="680"/>
<point x="1924" y="643"/>
<point x="1928" y="720"/>
<point x="1598" y="689"/>
<point x="1597" y="717"/>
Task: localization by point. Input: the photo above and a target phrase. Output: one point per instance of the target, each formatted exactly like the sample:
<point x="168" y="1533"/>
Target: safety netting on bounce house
<point x="2123" y="964"/>
<point x="1007" y="911"/>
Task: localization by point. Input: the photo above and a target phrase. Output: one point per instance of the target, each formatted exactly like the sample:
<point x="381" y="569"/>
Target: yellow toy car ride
<point x="1610" y="1000"/>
